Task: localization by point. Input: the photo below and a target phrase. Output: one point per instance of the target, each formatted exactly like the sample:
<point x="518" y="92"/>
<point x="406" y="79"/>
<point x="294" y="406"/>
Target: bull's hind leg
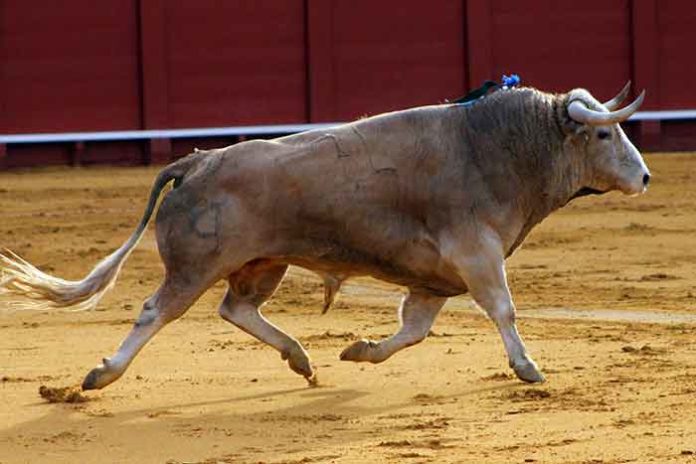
<point x="249" y="289"/>
<point x="417" y="313"/>
<point x="170" y="301"/>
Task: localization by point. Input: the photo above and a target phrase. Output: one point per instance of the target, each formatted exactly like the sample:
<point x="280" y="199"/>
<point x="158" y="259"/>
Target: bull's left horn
<point x="614" y="103"/>
<point x="579" y="112"/>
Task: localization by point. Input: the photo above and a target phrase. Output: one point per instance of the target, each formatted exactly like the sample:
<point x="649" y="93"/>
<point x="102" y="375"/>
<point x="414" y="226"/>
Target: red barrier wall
<point x="369" y="57"/>
<point x="553" y="45"/>
<point x="69" y="66"/>
<point x="79" y="65"/>
<point x="235" y="62"/>
<point x="676" y="36"/>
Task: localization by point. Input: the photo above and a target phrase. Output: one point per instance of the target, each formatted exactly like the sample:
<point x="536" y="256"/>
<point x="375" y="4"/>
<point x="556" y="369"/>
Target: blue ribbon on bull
<point x="488" y="87"/>
<point x="513" y="80"/>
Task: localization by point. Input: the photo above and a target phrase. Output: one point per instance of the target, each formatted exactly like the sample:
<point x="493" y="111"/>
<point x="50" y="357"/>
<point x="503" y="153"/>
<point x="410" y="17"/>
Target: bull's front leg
<point x="481" y="264"/>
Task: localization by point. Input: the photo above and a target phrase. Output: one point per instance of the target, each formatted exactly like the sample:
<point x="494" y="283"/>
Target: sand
<point x="606" y="291"/>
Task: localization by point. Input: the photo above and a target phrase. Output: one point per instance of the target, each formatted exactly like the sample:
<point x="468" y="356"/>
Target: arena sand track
<point x="203" y="392"/>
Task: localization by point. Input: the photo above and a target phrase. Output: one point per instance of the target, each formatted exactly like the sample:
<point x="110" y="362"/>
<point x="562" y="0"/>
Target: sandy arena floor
<point x="606" y="291"/>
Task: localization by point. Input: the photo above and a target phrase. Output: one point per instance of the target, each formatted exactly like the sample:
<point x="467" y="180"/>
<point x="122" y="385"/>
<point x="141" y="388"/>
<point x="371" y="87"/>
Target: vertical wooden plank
<point x="3" y="89"/>
<point x="3" y="86"/>
<point x="3" y="156"/>
<point x="644" y="29"/>
<point x="153" y="71"/>
<point x="159" y="151"/>
<point x="645" y="50"/>
<point x="307" y="69"/>
<point x="466" y="84"/>
<point x="78" y="151"/>
<point x="479" y="27"/>
<point x="153" y="63"/>
<point x="320" y="75"/>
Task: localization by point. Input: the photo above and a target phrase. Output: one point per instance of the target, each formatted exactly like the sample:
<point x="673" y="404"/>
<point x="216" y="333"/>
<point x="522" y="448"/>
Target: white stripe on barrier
<point x="663" y="115"/>
<point x="247" y="130"/>
<point x="163" y="134"/>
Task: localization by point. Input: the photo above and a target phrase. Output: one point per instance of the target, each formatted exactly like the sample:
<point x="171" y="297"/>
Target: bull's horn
<point x="579" y="112"/>
<point x="614" y="103"/>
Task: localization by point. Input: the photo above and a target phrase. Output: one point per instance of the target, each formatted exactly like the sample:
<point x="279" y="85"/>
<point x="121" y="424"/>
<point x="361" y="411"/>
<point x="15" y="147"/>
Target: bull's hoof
<point x="360" y="351"/>
<point x="528" y="372"/>
<point x="91" y="382"/>
<point x="312" y="381"/>
<point x="100" y="376"/>
<point x="299" y="362"/>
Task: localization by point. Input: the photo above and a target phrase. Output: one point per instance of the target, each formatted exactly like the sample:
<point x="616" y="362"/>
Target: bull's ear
<point x="583" y="133"/>
<point x="575" y="132"/>
<point x="569" y="126"/>
<point x="573" y="128"/>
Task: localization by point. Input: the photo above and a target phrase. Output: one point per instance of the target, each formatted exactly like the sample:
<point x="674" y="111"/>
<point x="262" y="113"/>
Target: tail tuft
<point x="27" y="287"/>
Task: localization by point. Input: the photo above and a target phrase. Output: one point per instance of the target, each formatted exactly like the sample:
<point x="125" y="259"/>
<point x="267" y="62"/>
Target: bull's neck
<point x="553" y="188"/>
<point x="537" y="156"/>
<point x="558" y="182"/>
<point x="522" y="152"/>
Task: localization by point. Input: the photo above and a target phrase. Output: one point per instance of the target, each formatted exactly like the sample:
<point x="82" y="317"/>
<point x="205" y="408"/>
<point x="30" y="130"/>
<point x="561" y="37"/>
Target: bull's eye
<point x="603" y="135"/>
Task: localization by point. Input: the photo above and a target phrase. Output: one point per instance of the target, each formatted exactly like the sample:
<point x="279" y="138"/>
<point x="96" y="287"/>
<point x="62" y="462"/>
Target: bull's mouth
<point x="587" y="191"/>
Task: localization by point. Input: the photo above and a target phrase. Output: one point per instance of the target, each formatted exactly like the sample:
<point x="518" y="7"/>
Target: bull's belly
<point x="412" y="270"/>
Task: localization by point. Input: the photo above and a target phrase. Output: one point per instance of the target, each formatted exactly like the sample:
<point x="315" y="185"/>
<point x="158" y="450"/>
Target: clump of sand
<point x="72" y="394"/>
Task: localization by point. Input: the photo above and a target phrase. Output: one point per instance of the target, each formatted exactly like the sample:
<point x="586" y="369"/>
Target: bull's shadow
<point x="312" y="405"/>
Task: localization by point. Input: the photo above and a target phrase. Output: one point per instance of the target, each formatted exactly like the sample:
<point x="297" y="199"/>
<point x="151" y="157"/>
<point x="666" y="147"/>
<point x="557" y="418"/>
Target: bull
<point x="433" y="199"/>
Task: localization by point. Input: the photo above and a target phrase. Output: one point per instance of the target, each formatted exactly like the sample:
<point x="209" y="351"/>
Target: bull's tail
<point x="28" y="287"/>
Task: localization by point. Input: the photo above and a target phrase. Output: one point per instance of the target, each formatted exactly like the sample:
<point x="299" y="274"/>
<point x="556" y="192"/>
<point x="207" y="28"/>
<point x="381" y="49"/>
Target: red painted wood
<point x="644" y="17"/>
<point x="38" y="155"/>
<point x="116" y="153"/>
<point x="69" y="66"/>
<point x="78" y="150"/>
<point x="385" y="55"/>
<point x="154" y="77"/>
<point x="646" y="55"/>
<point x="676" y="136"/>
<point x="674" y="43"/>
<point x="320" y="52"/>
<point x="479" y="25"/>
<point x="124" y="152"/>
<point x="235" y="62"/>
<point x="153" y="64"/>
<point x="557" y="46"/>
<point x="159" y="151"/>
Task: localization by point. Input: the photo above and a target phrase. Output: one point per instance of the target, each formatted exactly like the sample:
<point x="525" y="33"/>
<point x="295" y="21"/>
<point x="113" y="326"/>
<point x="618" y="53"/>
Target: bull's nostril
<point x="646" y="179"/>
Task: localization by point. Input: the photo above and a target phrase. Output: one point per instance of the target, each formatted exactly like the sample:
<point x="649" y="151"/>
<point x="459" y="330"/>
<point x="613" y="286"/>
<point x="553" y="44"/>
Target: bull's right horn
<point x="579" y="112"/>
<point x="614" y="103"/>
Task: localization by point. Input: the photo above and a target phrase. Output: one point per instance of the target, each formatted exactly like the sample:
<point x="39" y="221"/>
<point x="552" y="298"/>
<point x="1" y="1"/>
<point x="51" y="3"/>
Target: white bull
<point x="432" y="198"/>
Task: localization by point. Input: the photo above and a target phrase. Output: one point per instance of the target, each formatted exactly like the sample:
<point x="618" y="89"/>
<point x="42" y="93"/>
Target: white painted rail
<point x="663" y="115"/>
<point x="162" y="133"/>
